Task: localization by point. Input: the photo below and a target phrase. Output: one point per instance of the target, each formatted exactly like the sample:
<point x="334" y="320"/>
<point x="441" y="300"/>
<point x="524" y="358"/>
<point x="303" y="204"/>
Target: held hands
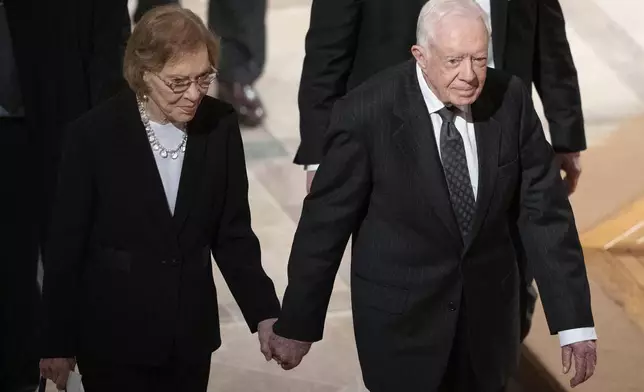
<point x="286" y="352"/>
<point x="585" y="354"/>
<point x="264" y="332"/>
<point x="57" y="370"/>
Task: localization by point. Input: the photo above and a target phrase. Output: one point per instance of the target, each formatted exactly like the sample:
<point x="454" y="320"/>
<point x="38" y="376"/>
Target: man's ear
<point x="420" y="55"/>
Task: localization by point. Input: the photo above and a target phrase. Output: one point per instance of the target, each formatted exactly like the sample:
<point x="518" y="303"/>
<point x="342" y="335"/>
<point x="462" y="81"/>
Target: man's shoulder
<point x="502" y="84"/>
<point x="377" y="95"/>
<point x="503" y="92"/>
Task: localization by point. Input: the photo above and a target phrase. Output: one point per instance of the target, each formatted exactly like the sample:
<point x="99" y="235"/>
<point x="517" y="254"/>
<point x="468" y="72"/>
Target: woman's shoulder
<point x="214" y="117"/>
<point x="216" y="106"/>
<point x="213" y="109"/>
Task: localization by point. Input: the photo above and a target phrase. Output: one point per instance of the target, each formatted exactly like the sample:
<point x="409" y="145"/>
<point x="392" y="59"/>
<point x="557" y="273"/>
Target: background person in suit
<point x="152" y="182"/>
<point x="432" y="165"/>
<point x="19" y="291"/>
<point x="242" y="28"/>
<point x="89" y="50"/>
<point x="350" y="40"/>
<point x="50" y="73"/>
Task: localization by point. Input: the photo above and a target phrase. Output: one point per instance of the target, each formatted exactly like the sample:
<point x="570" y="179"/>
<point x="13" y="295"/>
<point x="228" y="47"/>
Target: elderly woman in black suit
<point x="151" y="183"/>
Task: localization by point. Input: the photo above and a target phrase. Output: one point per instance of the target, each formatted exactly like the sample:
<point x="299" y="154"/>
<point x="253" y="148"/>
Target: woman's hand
<point x="57" y="370"/>
<point x="264" y="332"/>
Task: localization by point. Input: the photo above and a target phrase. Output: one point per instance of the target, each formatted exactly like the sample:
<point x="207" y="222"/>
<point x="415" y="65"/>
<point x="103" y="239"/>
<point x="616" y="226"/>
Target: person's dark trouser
<point x="459" y="375"/>
<point x="242" y="28"/>
<point x="19" y="291"/>
<point x="175" y="376"/>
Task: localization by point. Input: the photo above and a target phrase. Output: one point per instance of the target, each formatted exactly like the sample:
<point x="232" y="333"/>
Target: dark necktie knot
<point x="447" y="114"/>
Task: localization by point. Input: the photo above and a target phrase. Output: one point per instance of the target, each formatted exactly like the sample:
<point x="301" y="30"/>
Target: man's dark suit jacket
<point x="382" y="179"/>
<point x="350" y="40"/>
<point x="127" y="281"/>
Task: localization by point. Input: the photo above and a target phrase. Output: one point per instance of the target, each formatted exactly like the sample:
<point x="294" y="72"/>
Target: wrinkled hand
<point x="287" y="352"/>
<point x="571" y="165"/>
<point x="264" y="333"/>
<point x="585" y="354"/>
<point x="57" y="370"/>
<point x="309" y="180"/>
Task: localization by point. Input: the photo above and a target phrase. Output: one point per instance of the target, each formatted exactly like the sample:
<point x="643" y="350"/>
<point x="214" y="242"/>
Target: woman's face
<point x="179" y="87"/>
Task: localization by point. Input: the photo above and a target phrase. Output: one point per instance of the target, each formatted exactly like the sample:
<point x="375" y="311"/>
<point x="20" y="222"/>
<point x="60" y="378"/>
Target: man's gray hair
<point x="435" y="10"/>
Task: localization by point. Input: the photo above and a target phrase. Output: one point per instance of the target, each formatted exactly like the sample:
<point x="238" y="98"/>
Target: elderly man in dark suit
<point x="350" y="40"/>
<point x="433" y="165"/>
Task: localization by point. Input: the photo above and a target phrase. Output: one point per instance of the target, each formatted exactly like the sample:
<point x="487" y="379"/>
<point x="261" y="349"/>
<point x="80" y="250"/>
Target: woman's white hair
<point x="435" y="10"/>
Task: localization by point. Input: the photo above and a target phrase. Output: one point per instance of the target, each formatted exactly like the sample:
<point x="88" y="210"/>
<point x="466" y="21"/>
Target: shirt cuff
<point x="576" y="335"/>
<point x="311" y="167"/>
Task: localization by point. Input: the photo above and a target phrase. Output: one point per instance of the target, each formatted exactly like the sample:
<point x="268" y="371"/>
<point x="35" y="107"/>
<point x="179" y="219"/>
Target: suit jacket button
<point x="451" y="306"/>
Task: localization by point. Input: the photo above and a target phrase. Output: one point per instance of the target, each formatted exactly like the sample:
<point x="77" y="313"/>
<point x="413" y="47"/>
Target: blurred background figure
<point x="58" y="59"/>
<point x="19" y="292"/>
<point x="241" y="26"/>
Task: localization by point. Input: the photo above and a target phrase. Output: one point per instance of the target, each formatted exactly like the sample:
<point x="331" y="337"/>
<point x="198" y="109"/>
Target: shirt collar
<point x="431" y="100"/>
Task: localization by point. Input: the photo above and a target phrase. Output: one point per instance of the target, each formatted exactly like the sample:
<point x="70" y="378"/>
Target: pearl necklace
<point x="154" y="141"/>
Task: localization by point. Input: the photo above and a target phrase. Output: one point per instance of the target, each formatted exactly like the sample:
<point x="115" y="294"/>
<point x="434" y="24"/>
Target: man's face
<point x="455" y="64"/>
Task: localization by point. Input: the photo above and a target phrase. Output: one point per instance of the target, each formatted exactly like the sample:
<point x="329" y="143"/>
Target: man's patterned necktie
<point x="456" y="172"/>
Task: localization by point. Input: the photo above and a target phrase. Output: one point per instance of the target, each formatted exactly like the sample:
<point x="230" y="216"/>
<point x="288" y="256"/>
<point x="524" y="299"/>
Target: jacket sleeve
<point x="331" y="213"/>
<point x="555" y="78"/>
<point x="547" y="228"/>
<point x="330" y="49"/>
<point x="236" y="248"/>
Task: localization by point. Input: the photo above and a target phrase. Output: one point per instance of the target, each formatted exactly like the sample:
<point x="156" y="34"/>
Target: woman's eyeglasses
<point x="181" y="85"/>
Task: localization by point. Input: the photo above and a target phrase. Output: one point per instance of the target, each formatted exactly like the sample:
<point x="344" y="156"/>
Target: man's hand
<point x="585" y="354"/>
<point x="264" y="333"/>
<point x="571" y="165"/>
<point x="57" y="370"/>
<point x="309" y="179"/>
<point x="288" y="353"/>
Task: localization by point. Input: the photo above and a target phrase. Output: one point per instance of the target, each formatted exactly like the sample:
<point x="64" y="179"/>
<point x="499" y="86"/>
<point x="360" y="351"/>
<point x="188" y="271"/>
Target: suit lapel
<point x="488" y="136"/>
<point x="191" y="172"/>
<point x="414" y="136"/>
<point x="499" y="20"/>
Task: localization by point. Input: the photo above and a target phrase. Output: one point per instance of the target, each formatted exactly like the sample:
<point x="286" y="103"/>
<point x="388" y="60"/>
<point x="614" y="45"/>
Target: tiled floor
<point x="607" y="39"/>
